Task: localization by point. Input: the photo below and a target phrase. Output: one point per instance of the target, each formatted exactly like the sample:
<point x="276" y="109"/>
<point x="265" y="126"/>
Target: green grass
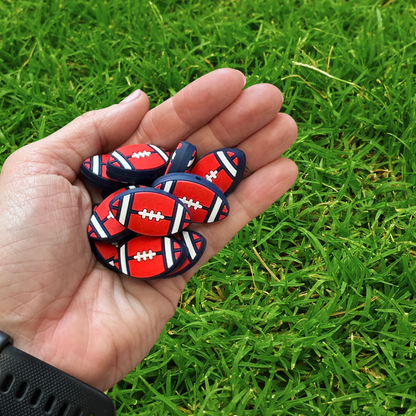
<point x="333" y="331"/>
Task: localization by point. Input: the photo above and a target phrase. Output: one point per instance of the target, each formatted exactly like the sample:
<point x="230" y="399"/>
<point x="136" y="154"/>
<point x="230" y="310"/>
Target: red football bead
<point x="182" y="158"/>
<point x="151" y="212"/>
<point x="137" y="163"/>
<point x="196" y="244"/>
<point x="103" y="226"/>
<point x="94" y="170"/>
<point x="223" y="167"/>
<point x="105" y="253"/>
<point x="205" y="201"/>
<point x="146" y="257"/>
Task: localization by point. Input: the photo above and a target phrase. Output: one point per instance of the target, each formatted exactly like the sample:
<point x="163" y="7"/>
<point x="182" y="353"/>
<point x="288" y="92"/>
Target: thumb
<point x="92" y="133"/>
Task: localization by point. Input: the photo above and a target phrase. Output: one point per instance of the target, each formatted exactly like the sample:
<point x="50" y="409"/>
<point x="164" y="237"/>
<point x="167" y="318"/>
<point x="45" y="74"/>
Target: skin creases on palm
<point x="58" y="303"/>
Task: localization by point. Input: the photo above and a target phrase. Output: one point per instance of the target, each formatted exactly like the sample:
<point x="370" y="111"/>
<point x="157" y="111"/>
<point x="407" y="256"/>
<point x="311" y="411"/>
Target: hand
<point x="58" y="303"/>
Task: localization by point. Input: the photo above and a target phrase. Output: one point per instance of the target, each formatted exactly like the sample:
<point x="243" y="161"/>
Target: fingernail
<point x="132" y="96"/>
<point x="283" y="98"/>
<point x="245" y="79"/>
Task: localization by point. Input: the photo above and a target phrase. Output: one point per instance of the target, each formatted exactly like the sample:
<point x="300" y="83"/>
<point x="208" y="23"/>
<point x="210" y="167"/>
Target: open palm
<point x="58" y="303"/>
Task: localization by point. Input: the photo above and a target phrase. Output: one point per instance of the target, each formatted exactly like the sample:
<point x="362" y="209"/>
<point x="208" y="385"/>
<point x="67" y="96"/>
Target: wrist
<point x="32" y="387"/>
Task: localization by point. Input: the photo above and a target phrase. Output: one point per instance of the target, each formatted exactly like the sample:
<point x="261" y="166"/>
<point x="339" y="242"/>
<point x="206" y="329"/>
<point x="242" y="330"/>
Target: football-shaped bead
<point x="223" y="167"/>
<point x="196" y="244"/>
<point x="137" y="163"/>
<point x="103" y="226"/>
<point x="204" y="200"/>
<point x="105" y="253"/>
<point x="149" y="211"/>
<point x="94" y="170"/>
<point x="182" y="158"/>
<point x="146" y="257"/>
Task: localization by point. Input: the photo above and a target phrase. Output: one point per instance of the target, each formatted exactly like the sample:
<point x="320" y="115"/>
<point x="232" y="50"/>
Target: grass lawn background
<point x="310" y="310"/>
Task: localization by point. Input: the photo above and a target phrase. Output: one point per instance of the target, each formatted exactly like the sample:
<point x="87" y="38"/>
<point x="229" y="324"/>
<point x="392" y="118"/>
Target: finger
<point x="95" y="132"/>
<point x="253" y="109"/>
<point x="252" y="196"/>
<point x="191" y="108"/>
<point x="269" y="143"/>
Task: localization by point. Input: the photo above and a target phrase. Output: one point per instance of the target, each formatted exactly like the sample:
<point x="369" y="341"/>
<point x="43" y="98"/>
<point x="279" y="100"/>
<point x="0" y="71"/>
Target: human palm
<point x="58" y="303"/>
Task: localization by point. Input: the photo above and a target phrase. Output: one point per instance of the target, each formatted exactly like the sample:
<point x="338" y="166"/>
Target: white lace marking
<point x="212" y="175"/>
<point x="110" y="215"/>
<point x="151" y="215"/>
<point x="144" y="255"/>
<point x="191" y="204"/>
<point x="138" y="155"/>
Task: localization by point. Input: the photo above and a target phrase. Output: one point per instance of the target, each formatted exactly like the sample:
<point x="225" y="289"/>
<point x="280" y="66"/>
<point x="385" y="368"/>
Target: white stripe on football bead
<point x="121" y="160"/>
<point x="123" y="259"/>
<point x="98" y="226"/>
<point x="189" y="244"/>
<point x="190" y="162"/>
<point x="214" y="212"/>
<point x="95" y="164"/>
<point x="160" y="151"/>
<point x="178" y="218"/>
<point x="168" y="251"/>
<point x="227" y="164"/>
<point x="124" y="208"/>
<point x="168" y="186"/>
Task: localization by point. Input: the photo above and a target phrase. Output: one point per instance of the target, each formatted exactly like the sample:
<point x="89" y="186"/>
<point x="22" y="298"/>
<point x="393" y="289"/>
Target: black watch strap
<point x="30" y="387"/>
